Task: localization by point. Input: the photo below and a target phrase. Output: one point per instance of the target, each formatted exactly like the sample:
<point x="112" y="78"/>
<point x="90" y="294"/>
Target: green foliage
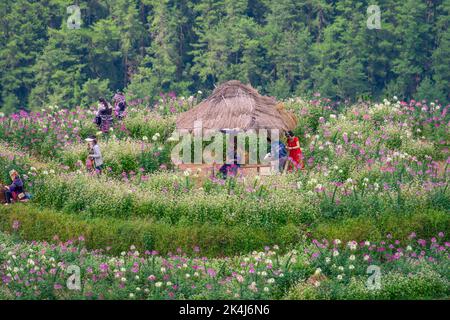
<point x="145" y="47"/>
<point x="93" y="89"/>
<point x="145" y="234"/>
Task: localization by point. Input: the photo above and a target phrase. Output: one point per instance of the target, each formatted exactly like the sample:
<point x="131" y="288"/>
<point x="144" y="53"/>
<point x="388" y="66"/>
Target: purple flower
<point x="16" y="225"/>
<point x="104" y="267"/>
<point x="211" y="272"/>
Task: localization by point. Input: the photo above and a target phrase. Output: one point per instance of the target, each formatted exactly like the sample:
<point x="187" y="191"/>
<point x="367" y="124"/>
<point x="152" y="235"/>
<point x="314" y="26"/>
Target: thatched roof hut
<point x="234" y="105"/>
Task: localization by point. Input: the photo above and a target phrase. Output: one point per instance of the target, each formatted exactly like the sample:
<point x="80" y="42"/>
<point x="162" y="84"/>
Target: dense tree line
<point x="281" y="47"/>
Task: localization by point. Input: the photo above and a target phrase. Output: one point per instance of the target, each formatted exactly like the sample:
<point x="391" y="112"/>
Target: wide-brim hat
<point x="90" y="138"/>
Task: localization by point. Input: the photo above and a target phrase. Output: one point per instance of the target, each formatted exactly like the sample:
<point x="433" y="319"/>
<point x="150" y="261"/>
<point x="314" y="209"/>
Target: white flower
<point x="335" y="253"/>
<point x="132" y="295"/>
<point x="352" y="245"/>
<point x="408" y="248"/>
<point x="341" y="268"/>
<point x="351" y="267"/>
<point x="158" y="284"/>
<point x="266" y="289"/>
<point x="327" y="259"/>
<point x="144" y="138"/>
<point x="339" y="277"/>
<point x="352" y="257"/>
<point x="123" y="279"/>
<point x="318" y="271"/>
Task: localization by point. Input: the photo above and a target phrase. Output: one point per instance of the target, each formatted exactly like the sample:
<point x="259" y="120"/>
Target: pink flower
<point x="212" y="273"/>
<point x="104" y="267"/>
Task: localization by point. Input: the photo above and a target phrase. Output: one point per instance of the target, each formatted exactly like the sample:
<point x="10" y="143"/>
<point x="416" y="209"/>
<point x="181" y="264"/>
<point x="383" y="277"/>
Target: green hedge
<point x="214" y="240"/>
<point x="42" y="225"/>
<point x="425" y="223"/>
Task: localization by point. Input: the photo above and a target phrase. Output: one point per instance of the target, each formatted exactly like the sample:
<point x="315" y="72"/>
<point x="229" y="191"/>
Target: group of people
<point x="15" y="191"/>
<point x="104" y="117"/>
<point x="288" y="156"/>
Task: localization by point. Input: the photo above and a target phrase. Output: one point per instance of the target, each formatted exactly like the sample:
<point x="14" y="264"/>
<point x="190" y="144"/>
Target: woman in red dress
<point x="295" y="152"/>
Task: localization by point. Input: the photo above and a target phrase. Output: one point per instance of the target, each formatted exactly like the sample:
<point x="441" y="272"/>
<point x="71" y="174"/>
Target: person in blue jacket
<point x="15" y="191"/>
<point x="278" y="152"/>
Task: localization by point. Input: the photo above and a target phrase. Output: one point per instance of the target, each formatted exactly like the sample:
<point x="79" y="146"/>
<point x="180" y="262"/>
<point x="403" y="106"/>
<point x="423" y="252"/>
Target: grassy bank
<point x="214" y="240"/>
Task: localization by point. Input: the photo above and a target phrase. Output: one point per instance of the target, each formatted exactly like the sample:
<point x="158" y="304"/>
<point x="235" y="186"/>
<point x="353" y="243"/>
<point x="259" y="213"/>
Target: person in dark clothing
<point x="233" y="164"/>
<point x="15" y="191"/>
<point x="120" y="105"/>
<point x="104" y="116"/>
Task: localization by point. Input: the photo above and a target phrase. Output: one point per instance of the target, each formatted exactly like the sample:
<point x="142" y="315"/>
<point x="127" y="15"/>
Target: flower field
<point x="376" y="178"/>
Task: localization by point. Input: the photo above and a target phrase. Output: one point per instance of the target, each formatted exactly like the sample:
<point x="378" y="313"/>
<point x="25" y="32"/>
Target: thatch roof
<point x="234" y="105"/>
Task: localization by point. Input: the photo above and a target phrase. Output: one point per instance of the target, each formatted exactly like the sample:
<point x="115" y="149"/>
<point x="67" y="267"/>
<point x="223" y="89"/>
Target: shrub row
<point x="215" y="240"/>
<point x="119" y="235"/>
<point x="425" y="223"/>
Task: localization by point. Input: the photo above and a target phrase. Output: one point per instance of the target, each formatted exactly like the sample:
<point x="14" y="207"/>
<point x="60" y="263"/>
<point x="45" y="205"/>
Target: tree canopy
<point x="282" y="47"/>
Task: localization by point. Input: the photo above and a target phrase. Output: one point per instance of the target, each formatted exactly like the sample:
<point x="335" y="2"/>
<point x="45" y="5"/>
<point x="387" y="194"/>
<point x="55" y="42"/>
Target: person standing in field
<point x="95" y="154"/>
<point x="295" y="152"/>
<point x="278" y="155"/>
<point x="120" y="105"/>
<point x="104" y="116"/>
